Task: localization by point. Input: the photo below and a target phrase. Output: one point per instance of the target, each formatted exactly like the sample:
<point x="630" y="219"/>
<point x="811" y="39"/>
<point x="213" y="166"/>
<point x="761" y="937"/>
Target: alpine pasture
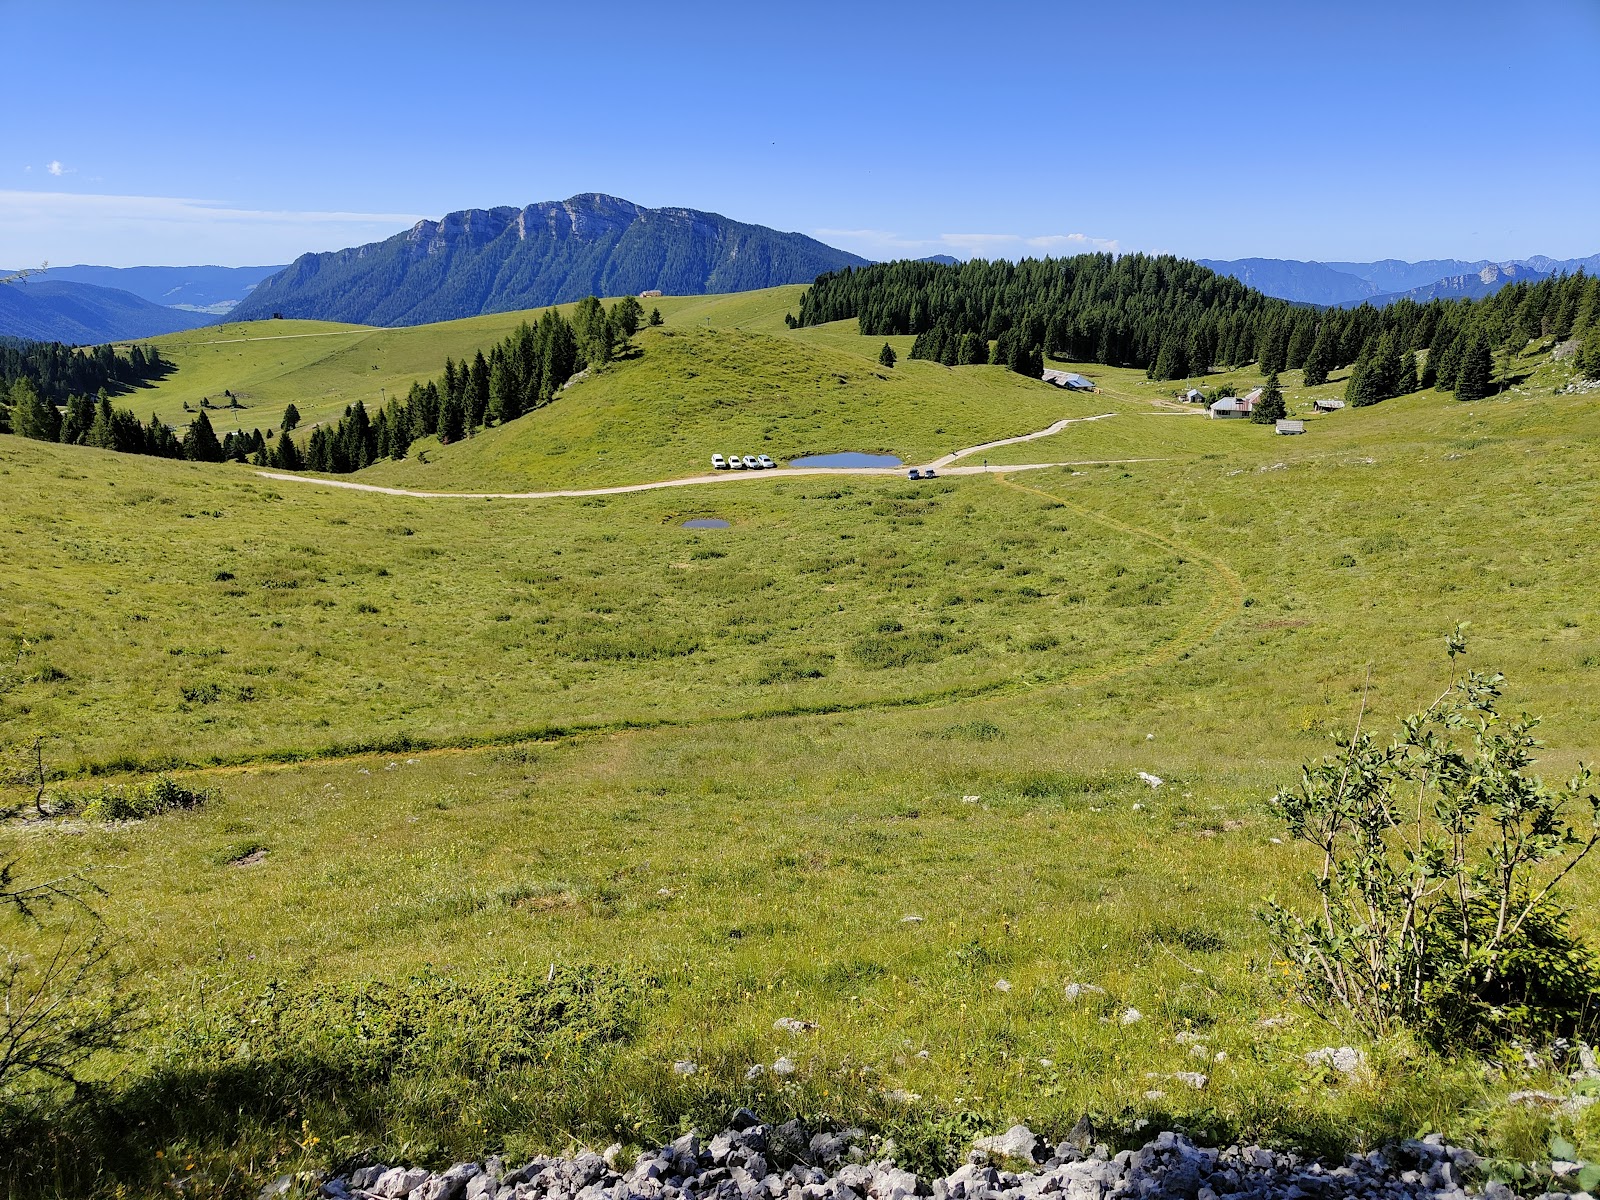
<point x="869" y="758"/>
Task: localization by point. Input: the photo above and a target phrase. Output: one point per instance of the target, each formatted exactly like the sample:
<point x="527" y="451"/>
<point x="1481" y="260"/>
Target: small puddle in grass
<point x="846" y="458"/>
<point x="705" y="523"/>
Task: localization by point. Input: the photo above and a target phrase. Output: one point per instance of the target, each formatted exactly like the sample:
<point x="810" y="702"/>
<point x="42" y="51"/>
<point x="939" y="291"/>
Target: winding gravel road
<point x="941" y="464"/>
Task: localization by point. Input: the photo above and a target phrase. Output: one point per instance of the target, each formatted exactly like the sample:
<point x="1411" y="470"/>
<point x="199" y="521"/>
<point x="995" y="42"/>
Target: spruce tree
<point x="291" y="418"/>
<point x="286" y="455"/>
<point x="504" y="402"/>
<point x="1270" y="408"/>
<point x="1320" y="358"/>
<point x="200" y="441"/>
<point x="1473" y="376"/>
<point x="452" y="421"/>
<point x="886" y="356"/>
<point x="1406" y="377"/>
<point x="655" y="317"/>
<point x="477" y="392"/>
<point x="31" y="416"/>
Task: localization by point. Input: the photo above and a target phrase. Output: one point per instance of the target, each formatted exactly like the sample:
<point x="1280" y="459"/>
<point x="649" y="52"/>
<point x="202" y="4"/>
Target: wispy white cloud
<point x="55" y="168"/>
<point x="879" y="243"/>
<point x="134" y="230"/>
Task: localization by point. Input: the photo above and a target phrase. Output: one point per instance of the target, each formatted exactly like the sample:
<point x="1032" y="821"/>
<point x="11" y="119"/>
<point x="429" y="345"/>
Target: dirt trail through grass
<point x="730" y="476"/>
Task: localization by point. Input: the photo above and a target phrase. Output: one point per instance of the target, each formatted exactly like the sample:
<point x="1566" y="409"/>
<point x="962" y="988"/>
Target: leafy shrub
<point x="201" y="693"/>
<point x="367" y="1032"/>
<point x="1440" y="856"/>
<point x="134" y="802"/>
<point x="898" y="649"/>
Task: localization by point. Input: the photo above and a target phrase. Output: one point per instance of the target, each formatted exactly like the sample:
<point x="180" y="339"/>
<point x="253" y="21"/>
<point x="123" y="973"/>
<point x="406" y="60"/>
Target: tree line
<point x="57" y="372"/>
<point x="520" y="374"/>
<point x="1177" y="319"/>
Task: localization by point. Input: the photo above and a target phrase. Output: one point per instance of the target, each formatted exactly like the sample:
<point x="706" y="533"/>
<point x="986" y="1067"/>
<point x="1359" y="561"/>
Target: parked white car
<point x="735" y="462"/>
<point x="766" y="463"/>
<point x="751" y="463"/>
<point x="718" y="463"/>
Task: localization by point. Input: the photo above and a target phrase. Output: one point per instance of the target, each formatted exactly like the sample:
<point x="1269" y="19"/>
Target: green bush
<point x="1440" y="855"/>
<point x="135" y="802"/>
<point x="369" y="1032"/>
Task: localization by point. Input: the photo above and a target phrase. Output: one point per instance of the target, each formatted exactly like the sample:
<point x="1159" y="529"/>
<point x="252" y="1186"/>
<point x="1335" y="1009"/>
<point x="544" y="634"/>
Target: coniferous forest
<point x="1177" y="319"/>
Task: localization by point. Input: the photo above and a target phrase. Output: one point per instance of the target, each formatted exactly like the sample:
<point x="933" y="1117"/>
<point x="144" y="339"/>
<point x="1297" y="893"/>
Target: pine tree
<point x="286" y="455"/>
<point x="478" y="392"/>
<point x="31" y="416"/>
<point x="200" y="441"/>
<point x="886" y="356"/>
<point x="655" y="317"/>
<point x="291" y="418"/>
<point x="1320" y="358"/>
<point x="452" y="421"/>
<point x="1473" y="376"/>
<point x="505" y="404"/>
<point x="80" y="416"/>
<point x="1270" y="407"/>
<point x="1406" y="377"/>
<point x="626" y="314"/>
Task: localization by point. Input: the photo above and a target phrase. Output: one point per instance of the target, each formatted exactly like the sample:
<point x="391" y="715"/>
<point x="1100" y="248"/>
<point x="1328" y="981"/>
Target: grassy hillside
<point x="696" y="390"/>
<point x="322" y="366"/>
<point x="726" y="765"/>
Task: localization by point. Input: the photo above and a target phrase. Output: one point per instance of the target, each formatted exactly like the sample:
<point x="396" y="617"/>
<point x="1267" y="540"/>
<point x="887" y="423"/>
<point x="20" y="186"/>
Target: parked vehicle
<point x="930" y="473"/>
<point x="766" y="462"/>
<point x="751" y="463"/>
<point x="718" y="463"/>
<point x="735" y="462"/>
<point x="913" y="474"/>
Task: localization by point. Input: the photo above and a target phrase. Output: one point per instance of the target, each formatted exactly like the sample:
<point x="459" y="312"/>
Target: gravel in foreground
<point x="752" y="1161"/>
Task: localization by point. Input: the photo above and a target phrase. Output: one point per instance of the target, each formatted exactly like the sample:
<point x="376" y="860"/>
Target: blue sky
<point x="248" y="133"/>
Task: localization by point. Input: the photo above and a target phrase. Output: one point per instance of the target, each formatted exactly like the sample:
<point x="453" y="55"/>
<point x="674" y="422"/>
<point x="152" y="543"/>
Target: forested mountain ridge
<point x="46" y="310"/>
<point x="204" y="289"/>
<point x="503" y="259"/>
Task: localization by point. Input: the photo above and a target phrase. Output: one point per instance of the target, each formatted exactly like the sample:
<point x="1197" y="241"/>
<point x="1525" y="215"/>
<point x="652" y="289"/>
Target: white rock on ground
<point x="753" y="1161"/>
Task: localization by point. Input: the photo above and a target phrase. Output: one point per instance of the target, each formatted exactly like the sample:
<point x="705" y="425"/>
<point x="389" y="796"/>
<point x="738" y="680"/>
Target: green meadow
<point x="869" y="757"/>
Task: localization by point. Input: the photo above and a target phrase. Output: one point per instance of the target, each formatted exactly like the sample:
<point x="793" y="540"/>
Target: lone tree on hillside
<point x="291" y="418"/>
<point x="887" y="356"/>
<point x="1270" y="408"/>
<point x="655" y="316"/>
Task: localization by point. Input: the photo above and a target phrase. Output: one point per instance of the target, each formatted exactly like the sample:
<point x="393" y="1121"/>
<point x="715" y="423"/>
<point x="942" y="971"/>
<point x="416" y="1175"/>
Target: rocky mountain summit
<point x="753" y="1161"/>
<point x="484" y="260"/>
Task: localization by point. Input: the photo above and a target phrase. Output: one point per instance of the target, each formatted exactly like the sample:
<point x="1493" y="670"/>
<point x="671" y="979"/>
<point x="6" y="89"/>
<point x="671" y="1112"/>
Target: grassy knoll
<point x="694" y="391"/>
<point x="322" y="366"/>
<point x="1209" y="616"/>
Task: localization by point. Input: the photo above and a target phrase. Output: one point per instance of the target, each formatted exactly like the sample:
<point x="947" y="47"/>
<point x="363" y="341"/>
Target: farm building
<point x="650" y="295"/>
<point x="1194" y="396"/>
<point x="1231" y="407"/>
<point x="1287" y="425"/>
<point x="1252" y="396"/>
<point x="1068" y="379"/>
<point x="1329" y="405"/>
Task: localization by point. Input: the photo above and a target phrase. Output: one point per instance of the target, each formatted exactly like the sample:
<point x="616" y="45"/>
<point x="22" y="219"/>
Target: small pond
<point x="705" y="523"/>
<point x="846" y="458"/>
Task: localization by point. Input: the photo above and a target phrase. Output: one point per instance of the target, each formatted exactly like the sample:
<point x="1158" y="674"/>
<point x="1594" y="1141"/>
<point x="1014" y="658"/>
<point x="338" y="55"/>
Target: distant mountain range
<point x="48" y="310"/>
<point x="1347" y="284"/>
<point x="503" y="259"/>
<point x="212" y="290"/>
